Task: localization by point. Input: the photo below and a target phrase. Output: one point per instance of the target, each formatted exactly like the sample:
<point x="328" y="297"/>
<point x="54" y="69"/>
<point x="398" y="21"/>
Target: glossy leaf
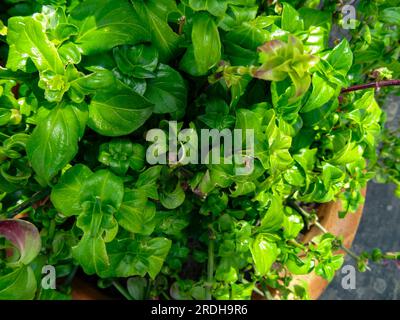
<point x="54" y="142"/>
<point x="167" y="91"/>
<point x="65" y="195"/>
<point x="118" y="113"/>
<point x="30" y="40"/>
<point x="136" y="214"/>
<point x="106" y="24"/>
<point x="206" y="42"/>
<point x="138" y="61"/>
<point x="291" y="20"/>
<point x="341" y="57"/>
<point x="154" y="14"/>
<point x="264" y="254"/>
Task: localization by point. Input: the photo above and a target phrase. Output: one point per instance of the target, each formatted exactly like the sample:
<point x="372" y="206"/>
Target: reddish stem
<point x="377" y="85"/>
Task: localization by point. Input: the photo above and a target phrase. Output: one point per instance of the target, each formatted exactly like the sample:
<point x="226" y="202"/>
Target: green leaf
<point x="91" y="252"/>
<point x="281" y="60"/>
<point x="69" y="53"/>
<point x="391" y="15"/>
<point x="154" y="15"/>
<point x="138" y="61"/>
<point x="167" y="91"/>
<point x="299" y="266"/>
<point x="137" y="288"/>
<point x="226" y="271"/>
<point x="215" y="7"/>
<point x="118" y="113"/>
<point x="292" y="224"/>
<point x="341" y="57"/>
<point x="264" y="253"/>
<point x="3" y="29"/>
<point x="315" y="18"/>
<point x="136" y="214"/>
<point x="18" y="285"/>
<point x="172" y="199"/>
<point x="243" y="189"/>
<point x="120" y="154"/>
<point x="148" y="181"/>
<point x="322" y="92"/>
<point x="130" y="257"/>
<point x="101" y="80"/>
<point x="24" y="236"/>
<point x="101" y="196"/>
<point x="206" y="42"/>
<point x="250" y="35"/>
<point x="29" y="39"/>
<point x="65" y="195"/>
<point x="105" y="24"/>
<point x="103" y="186"/>
<point x="188" y="63"/>
<point x="54" y="142"/>
<point x="291" y="20"/>
<point x="273" y="217"/>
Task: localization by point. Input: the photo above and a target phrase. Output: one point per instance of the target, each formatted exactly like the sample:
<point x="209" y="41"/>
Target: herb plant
<point x="83" y="81"/>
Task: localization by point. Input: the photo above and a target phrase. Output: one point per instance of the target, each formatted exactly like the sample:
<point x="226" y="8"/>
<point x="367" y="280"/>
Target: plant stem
<point x="351" y="253"/>
<point x="182" y="22"/>
<point x="26" y="204"/>
<point x="255" y="289"/>
<point x="306" y="215"/>
<point x="210" y="268"/>
<point x="377" y="85"/>
<point x="122" y="290"/>
<point x="391" y="256"/>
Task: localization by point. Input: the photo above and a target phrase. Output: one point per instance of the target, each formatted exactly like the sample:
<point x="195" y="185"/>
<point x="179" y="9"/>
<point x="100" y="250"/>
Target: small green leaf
<point x="292" y="224"/>
<point x="321" y="94"/>
<point x="206" y="42"/>
<point x="273" y="217"/>
<point x="136" y="214"/>
<point x="3" y="29"/>
<point x="65" y="195"/>
<point x="391" y="15"/>
<point x="154" y="15"/>
<point x="129" y="257"/>
<point x="103" y="186"/>
<point x="172" y="200"/>
<point x="291" y="20"/>
<point x="167" y="91"/>
<point x="341" y="57"/>
<point x="138" y="61"/>
<point x="137" y="288"/>
<point x="264" y="253"/>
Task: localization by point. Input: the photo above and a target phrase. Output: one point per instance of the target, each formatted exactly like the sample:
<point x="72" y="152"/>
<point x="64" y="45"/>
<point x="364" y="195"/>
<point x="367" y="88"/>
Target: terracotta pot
<point x="347" y="228"/>
<point x="329" y="218"/>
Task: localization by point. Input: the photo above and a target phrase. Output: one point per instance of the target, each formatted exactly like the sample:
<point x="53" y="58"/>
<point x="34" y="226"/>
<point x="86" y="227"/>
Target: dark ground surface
<point x="379" y="228"/>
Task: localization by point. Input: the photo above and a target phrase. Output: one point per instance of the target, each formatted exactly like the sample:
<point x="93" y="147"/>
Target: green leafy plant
<point x="84" y="81"/>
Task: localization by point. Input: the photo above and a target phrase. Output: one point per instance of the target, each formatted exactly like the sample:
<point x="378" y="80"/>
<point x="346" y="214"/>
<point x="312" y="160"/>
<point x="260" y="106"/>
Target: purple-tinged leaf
<point x="24" y="236"/>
